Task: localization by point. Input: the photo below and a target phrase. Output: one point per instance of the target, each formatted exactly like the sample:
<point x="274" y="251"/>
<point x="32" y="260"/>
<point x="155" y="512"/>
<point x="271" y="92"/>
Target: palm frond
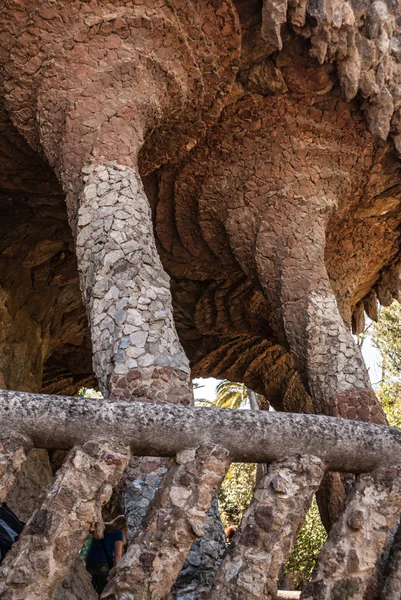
<point x="230" y="395"/>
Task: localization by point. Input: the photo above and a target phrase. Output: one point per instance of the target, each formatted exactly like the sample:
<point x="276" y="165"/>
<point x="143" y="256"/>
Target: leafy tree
<point x="307" y="547"/>
<point x="236" y="492"/>
<point x="387" y="339"/>
<point x="389" y="394"/>
<point x="230" y="395"/>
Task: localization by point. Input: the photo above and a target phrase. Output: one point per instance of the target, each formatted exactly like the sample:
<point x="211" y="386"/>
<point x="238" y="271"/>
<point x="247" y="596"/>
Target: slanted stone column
<point x="70" y="508"/>
<point x="295" y="279"/>
<point x="347" y="564"/>
<point x="202" y="562"/>
<point x="267" y="533"/>
<point x="12" y="457"/>
<point x="176" y="517"/>
<point x="136" y="351"/>
<point x="392" y="571"/>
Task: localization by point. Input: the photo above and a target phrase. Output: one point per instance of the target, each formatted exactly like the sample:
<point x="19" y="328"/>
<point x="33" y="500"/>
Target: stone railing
<point x="201" y="442"/>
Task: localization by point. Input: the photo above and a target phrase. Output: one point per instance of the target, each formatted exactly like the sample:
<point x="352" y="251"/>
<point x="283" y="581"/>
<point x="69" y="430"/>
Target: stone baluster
<point x="12" y="457"/>
<point x="176" y="517"/>
<point x="202" y="562"/>
<point x="266" y="537"/>
<point x="136" y="350"/>
<point x="347" y="564"/>
<point x="70" y="508"/>
<point x="390" y="583"/>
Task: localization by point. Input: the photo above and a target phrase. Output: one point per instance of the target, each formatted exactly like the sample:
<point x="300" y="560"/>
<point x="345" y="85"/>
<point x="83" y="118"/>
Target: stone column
<point x="391" y="575"/>
<point x="347" y="564"/>
<point x="70" y="508"/>
<point x="294" y="277"/>
<point x="176" y="517"/>
<point x="266" y="537"/>
<point x="136" y="351"/>
<point x="12" y="457"/>
<point x="296" y="282"/>
<point x="202" y="562"/>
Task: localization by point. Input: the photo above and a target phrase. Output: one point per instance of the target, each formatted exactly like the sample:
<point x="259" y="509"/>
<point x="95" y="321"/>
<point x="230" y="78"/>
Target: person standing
<point x="104" y="554"/>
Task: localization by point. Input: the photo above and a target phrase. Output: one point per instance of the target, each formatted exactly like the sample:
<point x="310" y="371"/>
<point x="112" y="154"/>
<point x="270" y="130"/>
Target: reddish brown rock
<point x="348" y="561"/>
<point x="69" y="509"/>
<point x="232" y="197"/>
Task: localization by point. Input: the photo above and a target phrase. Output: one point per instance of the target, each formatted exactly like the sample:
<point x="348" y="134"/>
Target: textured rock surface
<point x="391" y="582"/>
<point x="136" y="351"/>
<point x="70" y="507"/>
<point x="43" y="333"/>
<point x="176" y="517"/>
<point x="363" y="39"/>
<point x="77" y="585"/>
<point x="295" y="206"/>
<point x="247" y="150"/>
<point x="12" y="457"/>
<point x="346" y="566"/>
<point x="34" y="476"/>
<point x="264" y="437"/>
<point x="267" y="533"/>
<point x="203" y="561"/>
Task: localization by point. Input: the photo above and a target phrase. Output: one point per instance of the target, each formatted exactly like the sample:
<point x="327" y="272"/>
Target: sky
<point x="372" y="361"/>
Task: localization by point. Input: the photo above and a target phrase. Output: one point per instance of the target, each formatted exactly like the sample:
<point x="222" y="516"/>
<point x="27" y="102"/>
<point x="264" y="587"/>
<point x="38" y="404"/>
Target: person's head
<point x="116" y="524"/>
<point x="230" y="532"/>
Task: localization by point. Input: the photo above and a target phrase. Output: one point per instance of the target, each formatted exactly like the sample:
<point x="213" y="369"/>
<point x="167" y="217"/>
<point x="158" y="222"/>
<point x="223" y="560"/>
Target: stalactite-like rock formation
<point x="196" y="188"/>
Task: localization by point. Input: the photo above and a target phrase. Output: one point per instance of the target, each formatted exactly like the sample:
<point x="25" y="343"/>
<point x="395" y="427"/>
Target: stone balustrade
<point x="201" y="443"/>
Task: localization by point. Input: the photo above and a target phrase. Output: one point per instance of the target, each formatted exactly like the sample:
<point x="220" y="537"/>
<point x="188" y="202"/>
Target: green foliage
<point x="387" y="338"/>
<point x="89" y="393"/>
<point x="230" y="395"/>
<point x="307" y="547"/>
<point x="389" y="394"/>
<point x="236" y="492"/>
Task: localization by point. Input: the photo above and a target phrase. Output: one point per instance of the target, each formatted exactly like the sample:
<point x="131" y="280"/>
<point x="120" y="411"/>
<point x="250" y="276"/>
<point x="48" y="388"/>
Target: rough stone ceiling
<point x="207" y="201"/>
<point x="44" y="336"/>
